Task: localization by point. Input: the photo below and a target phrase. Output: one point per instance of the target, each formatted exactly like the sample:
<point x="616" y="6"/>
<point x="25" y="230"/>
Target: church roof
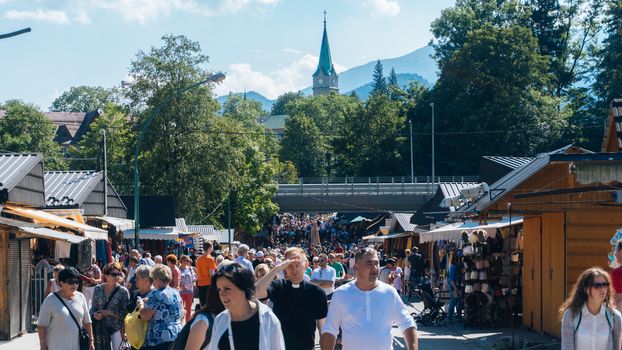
<point x="326" y="63"/>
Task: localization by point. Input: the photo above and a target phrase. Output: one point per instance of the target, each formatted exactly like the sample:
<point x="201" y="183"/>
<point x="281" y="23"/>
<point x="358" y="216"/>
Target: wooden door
<point x="532" y="281"/>
<point x="553" y="270"/>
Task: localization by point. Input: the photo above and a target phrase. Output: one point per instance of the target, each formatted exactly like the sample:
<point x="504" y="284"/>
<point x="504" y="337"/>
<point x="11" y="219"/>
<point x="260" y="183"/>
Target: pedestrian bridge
<point x="356" y="194"/>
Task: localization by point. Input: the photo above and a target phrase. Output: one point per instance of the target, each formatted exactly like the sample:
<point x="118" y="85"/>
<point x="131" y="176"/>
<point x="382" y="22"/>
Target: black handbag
<point x="83" y="335"/>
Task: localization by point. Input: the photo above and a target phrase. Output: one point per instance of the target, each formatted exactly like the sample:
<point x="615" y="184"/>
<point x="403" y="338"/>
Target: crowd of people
<point x="265" y="298"/>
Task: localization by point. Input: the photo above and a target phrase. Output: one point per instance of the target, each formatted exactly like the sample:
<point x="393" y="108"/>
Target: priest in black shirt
<point x="300" y="306"/>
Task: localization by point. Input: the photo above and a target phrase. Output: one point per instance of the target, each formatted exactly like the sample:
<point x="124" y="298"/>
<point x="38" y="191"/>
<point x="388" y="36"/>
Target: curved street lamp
<point x="213" y="78"/>
<point x="18" y="32"/>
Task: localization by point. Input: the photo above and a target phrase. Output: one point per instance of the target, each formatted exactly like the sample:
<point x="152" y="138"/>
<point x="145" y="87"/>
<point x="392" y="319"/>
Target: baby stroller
<point x="432" y="313"/>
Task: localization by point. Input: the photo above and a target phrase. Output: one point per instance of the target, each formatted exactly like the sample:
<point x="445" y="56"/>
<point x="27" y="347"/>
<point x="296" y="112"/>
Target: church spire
<point x="325" y="79"/>
<point x="326" y="63"/>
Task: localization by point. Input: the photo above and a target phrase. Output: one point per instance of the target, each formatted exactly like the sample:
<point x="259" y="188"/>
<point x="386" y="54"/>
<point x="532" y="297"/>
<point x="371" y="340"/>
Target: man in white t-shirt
<point x="365" y="311"/>
<point x="324" y="276"/>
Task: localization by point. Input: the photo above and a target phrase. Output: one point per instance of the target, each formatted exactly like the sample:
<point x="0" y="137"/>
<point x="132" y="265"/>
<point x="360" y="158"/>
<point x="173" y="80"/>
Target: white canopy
<point x="453" y="231"/>
<point x="163" y="234"/>
<point x="119" y="223"/>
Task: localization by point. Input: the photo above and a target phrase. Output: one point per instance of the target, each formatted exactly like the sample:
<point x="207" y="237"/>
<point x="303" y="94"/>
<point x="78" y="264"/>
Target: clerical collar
<point x="295" y="285"/>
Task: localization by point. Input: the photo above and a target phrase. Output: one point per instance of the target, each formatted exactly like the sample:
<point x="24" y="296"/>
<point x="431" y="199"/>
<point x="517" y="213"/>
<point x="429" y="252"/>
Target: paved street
<point x="450" y="336"/>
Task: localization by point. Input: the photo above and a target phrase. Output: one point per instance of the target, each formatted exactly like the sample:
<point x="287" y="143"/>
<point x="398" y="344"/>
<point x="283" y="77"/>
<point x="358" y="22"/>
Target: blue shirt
<point x="164" y="325"/>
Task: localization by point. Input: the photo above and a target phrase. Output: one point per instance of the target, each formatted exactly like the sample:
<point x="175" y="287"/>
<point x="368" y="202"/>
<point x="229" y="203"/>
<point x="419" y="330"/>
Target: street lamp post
<point x="433" y="173"/>
<point x="412" y="171"/>
<point x="18" y="32"/>
<point x="216" y="78"/>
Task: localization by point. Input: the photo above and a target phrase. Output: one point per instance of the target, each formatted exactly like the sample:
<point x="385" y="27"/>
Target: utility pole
<point x="433" y="173"/>
<point x="102" y="132"/>
<point x="412" y="171"/>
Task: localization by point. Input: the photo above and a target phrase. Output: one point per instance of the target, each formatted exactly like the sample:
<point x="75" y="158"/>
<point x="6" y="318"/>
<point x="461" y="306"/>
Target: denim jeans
<point x="453" y="302"/>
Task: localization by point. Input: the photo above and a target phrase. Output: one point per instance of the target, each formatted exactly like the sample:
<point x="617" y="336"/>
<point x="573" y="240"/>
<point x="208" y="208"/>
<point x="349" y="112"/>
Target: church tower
<point x="325" y="78"/>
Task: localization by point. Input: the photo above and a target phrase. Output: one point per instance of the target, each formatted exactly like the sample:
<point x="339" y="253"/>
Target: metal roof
<point x="28" y="229"/>
<point x="273" y="122"/>
<point x="510" y="162"/>
<point x="15" y="166"/>
<point x="516" y="177"/>
<point x="63" y="188"/>
<point x="404" y="220"/>
<point x="452" y="189"/>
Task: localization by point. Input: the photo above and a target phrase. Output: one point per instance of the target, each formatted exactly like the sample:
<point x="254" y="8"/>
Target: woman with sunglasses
<point x="246" y="324"/>
<point x="108" y="308"/>
<point x="589" y="320"/>
<point x="57" y="329"/>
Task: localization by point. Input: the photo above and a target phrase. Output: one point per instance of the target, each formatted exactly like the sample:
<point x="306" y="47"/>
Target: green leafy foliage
<point x="82" y="99"/>
<point x="24" y="128"/>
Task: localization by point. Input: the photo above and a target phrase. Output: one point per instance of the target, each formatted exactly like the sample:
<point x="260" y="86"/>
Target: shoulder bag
<point x="83" y="335"/>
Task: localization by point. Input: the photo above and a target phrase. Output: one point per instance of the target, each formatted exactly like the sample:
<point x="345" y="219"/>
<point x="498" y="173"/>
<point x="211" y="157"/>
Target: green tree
<point x="379" y="82"/>
<point x="326" y="111"/>
<point x="370" y="141"/>
<point x="120" y="140"/>
<point x="82" y="99"/>
<point x="303" y="145"/>
<point x="451" y="30"/>
<point x="246" y="112"/>
<point x="499" y="82"/>
<point x="608" y="82"/>
<point x="279" y="106"/>
<point x="24" y="128"/>
<point x="190" y="152"/>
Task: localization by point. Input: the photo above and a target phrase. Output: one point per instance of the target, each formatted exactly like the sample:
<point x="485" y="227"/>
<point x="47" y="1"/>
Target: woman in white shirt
<point x="589" y="321"/>
<point x="57" y="329"/>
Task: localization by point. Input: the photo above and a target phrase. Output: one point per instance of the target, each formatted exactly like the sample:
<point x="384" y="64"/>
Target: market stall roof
<point x="453" y="231"/>
<point x="403" y="219"/>
<point x="27" y="229"/>
<point x="162" y="234"/>
<point x="64" y="188"/>
<point x="383" y="237"/>
<point x="358" y="219"/>
<point x="119" y="223"/>
<point x="209" y="233"/>
<point x="516" y="177"/>
<point x="44" y="218"/>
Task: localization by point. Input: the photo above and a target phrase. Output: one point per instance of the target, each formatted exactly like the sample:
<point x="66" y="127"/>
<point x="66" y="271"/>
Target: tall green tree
<point x="24" y="128"/>
<point x="279" y="106"/>
<point x="303" y="145"/>
<point x="370" y="142"/>
<point x="247" y="112"/>
<point x="493" y="96"/>
<point x="608" y="82"/>
<point x="189" y="151"/>
<point x="120" y="139"/>
<point x="379" y="82"/>
<point x="82" y="99"/>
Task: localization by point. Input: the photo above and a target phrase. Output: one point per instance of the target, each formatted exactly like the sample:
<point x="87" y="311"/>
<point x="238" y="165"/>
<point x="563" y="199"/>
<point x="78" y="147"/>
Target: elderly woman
<point x="171" y="262"/>
<point x="162" y="310"/>
<point x="57" y="328"/>
<point x="108" y="308"/>
<point x="246" y="323"/>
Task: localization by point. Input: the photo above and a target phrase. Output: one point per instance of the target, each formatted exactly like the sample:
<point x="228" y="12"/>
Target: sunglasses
<point x="72" y="282"/>
<point x="598" y="285"/>
<point x="116" y="274"/>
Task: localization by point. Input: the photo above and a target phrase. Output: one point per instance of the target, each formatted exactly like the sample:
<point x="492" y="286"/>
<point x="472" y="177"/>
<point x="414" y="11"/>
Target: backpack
<point x="182" y="337"/>
<point x="611" y="321"/>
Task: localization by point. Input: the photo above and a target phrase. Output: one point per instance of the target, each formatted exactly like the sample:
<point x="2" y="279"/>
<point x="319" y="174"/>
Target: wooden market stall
<point x="570" y="212"/>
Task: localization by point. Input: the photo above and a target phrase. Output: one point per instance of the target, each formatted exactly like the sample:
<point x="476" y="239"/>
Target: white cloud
<point x="82" y="18"/>
<point x="293" y="77"/>
<point x="389" y="8"/>
<point x="58" y="17"/>
<point x="288" y="50"/>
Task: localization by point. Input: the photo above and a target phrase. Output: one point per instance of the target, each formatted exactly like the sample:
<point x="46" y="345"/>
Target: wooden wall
<point x="588" y="235"/>
<point x="532" y="272"/>
<point x="5" y="321"/>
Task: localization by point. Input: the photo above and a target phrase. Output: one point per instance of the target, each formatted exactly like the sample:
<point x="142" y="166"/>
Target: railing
<point x="39" y="283"/>
<point x="378" y="179"/>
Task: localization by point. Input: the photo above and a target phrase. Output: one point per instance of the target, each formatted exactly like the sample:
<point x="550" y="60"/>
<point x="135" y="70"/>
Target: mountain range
<point x="417" y="65"/>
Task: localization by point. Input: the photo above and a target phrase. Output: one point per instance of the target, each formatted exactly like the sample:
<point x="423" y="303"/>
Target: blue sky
<point x="270" y="46"/>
